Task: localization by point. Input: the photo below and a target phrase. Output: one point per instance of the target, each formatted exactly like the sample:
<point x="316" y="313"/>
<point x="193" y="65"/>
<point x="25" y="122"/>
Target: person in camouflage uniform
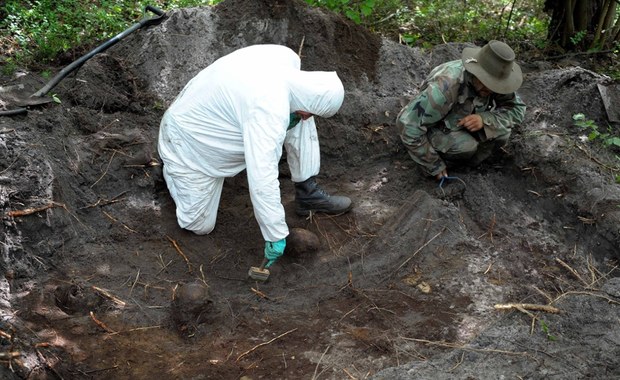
<point x="465" y="109"/>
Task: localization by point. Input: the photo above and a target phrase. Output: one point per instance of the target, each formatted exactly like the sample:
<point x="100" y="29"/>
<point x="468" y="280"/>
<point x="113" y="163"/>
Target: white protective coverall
<point x="233" y="116"/>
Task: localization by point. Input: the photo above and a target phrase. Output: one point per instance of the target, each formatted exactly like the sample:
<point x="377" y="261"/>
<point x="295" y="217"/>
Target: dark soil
<point x="101" y="283"/>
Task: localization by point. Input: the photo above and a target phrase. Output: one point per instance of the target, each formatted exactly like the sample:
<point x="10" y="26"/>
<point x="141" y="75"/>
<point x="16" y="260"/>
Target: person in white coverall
<point x="237" y="114"/>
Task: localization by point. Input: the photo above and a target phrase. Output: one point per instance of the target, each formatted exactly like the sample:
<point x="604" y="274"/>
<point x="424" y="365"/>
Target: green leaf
<point x="614" y="141"/>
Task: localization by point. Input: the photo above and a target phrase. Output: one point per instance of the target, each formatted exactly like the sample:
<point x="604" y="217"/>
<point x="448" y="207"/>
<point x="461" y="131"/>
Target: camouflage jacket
<point x="446" y="96"/>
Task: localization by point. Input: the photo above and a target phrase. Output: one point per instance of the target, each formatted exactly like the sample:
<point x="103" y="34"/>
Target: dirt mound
<point x="100" y="282"/>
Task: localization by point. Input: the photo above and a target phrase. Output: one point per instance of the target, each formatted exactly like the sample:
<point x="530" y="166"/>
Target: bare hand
<point x="444" y="173"/>
<point x="472" y="123"/>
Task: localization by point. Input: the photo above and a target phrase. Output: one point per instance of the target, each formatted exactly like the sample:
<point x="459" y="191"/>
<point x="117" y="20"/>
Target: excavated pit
<point x="404" y="286"/>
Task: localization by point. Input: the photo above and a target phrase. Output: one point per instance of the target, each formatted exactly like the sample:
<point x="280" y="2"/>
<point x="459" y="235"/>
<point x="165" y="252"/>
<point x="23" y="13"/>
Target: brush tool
<point x="259" y="273"/>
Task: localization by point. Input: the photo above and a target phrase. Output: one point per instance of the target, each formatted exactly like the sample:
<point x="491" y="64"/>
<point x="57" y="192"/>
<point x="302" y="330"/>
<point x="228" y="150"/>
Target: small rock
<point x="301" y="241"/>
<point x="190" y="304"/>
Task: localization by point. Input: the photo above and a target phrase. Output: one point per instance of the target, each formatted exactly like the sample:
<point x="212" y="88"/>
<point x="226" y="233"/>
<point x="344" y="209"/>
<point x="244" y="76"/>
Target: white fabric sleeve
<point x="263" y="135"/>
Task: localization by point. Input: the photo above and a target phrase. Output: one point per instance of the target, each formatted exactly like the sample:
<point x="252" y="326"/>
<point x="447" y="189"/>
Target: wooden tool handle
<point x="262" y="265"/>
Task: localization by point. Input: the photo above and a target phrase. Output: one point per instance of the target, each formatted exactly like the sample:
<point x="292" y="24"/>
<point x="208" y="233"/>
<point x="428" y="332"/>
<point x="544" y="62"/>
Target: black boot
<point x="310" y="197"/>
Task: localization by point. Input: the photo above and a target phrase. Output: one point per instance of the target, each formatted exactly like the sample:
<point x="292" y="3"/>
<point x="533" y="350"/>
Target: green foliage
<point x="545" y="328"/>
<point x="594" y="134"/>
<point x="430" y="22"/>
<point x="359" y="11"/>
<point x="578" y="37"/>
<point x="38" y="30"/>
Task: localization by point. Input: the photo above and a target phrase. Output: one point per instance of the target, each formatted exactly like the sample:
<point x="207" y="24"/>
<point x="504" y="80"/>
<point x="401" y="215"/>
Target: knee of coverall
<point x="453" y="145"/>
<point x="197" y="199"/>
<point x="199" y="227"/>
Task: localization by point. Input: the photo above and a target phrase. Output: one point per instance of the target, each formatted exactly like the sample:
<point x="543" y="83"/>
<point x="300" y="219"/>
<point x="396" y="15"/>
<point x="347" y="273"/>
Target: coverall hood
<point x="319" y="92"/>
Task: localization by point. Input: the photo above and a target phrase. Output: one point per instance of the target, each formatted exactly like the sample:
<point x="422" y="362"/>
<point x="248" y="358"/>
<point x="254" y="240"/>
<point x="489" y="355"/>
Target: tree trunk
<point x="575" y="21"/>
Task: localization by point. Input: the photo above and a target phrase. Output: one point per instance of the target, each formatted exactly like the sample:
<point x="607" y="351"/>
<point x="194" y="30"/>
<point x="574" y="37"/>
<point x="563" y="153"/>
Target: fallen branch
<point x="527" y="306"/>
<point x="34" y="210"/>
<point x="264" y="344"/>
<point x="178" y="249"/>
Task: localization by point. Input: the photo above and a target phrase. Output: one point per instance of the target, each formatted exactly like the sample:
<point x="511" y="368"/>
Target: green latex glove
<point x="273" y="251"/>
<point x="294" y="120"/>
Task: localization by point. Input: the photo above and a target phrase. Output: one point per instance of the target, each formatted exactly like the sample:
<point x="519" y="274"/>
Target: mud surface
<point x="100" y="282"/>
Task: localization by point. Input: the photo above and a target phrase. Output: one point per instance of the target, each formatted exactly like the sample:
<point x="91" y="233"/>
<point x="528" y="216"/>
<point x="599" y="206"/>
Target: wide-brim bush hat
<point x="494" y="64"/>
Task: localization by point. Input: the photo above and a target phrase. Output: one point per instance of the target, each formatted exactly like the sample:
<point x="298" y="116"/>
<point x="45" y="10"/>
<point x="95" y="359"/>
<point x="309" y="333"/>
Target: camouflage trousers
<point x="463" y="146"/>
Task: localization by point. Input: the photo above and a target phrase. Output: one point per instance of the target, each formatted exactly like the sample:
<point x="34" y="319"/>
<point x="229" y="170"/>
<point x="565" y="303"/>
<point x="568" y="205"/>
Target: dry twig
<point x="105" y="171"/>
<point x="9" y="355"/>
<point x="609" y="300"/>
<point x="527" y="306"/>
<point x="574" y="272"/>
<point x="116" y="221"/>
<point x="463" y="347"/>
<point x="416" y="252"/>
<point x="264" y="344"/>
<point x="138" y="329"/>
<point x="491" y="228"/>
<point x="176" y="246"/>
<point x="110" y="296"/>
<point x="613" y="169"/>
<point x="314" y="376"/>
<point x="104" y="202"/>
<point x="259" y="293"/>
<point x="6" y="335"/>
<point x="301" y="45"/>
<point x="101" y="324"/>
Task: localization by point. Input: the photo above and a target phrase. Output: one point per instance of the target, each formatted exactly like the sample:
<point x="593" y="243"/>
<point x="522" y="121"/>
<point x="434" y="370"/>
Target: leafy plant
<point x="578" y="37"/>
<point x="37" y="31"/>
<point x="545" y="328"/>
<point x="358" y="11"/>
<point x="594" y="134"/>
